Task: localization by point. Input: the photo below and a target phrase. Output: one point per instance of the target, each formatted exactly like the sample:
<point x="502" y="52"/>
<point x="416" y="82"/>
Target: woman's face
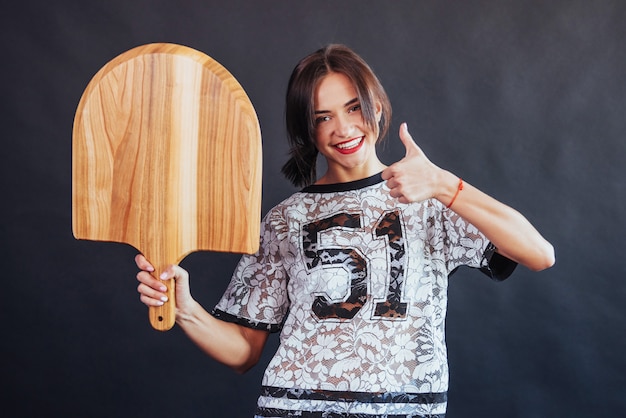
<point x="341" y="134"/>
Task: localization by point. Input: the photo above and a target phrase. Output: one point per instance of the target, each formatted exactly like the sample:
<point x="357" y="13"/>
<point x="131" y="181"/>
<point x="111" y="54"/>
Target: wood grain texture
<point x="167" y="158"/>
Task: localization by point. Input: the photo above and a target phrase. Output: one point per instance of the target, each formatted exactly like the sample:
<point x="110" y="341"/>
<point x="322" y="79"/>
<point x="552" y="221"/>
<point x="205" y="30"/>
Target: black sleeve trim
<point x="226" y="317"/>
<point x="497" y="266"/>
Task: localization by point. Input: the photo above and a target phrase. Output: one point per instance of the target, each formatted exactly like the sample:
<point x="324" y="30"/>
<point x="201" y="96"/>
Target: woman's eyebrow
<point x="351" y="102"/>
<point x="348" y="103"/>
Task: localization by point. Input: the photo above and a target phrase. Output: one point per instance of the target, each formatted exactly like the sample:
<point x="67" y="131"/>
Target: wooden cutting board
<point x="166" y="158"/>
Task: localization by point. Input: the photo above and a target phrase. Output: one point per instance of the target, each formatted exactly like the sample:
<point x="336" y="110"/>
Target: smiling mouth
<point x="350" y="145"/>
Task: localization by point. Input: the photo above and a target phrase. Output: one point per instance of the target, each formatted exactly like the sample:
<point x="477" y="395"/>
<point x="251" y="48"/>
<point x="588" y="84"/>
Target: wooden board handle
<point x="163" y="318"/>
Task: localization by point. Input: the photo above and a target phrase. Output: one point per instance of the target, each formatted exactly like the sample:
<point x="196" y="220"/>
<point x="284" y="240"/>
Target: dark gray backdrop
<point x="525" y="99"/>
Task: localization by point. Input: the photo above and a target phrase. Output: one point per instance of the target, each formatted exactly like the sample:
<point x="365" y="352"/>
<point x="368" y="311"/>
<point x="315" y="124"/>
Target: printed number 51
<point x="388" y="226"/>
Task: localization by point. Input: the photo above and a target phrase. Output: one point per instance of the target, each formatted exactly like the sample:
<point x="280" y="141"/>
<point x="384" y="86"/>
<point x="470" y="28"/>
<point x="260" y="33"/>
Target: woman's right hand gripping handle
<point x="234" y="345"/>
<point x="152" y="291"/>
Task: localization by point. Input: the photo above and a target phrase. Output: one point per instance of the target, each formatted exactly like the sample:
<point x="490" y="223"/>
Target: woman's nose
<point x="344" y="126"/>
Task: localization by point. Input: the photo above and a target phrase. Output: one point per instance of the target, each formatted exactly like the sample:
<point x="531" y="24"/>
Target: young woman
<point x="353" y="269"/>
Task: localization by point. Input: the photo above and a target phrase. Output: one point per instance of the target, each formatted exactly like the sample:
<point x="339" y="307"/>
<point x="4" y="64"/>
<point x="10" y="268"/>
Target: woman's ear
<point x="379" y="111"/>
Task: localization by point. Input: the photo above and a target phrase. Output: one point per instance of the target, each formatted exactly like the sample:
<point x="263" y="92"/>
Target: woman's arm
<point x="415" y="178"/>
<point x="234" y="345"/>
<point x="507" y="229"/>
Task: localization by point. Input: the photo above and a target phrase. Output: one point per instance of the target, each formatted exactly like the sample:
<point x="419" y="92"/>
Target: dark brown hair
<point x="300" y="112"/>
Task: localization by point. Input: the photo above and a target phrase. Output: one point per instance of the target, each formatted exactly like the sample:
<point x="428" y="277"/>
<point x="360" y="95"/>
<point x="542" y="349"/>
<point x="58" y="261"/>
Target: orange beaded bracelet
<point x="458" y="190"/>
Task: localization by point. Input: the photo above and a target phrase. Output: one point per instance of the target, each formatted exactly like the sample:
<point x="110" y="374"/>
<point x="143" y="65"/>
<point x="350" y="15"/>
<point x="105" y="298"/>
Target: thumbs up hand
<point x="414" y="178"/>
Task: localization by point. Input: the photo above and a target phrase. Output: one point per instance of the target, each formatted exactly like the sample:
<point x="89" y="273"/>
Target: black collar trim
<point x="344" y="187"/>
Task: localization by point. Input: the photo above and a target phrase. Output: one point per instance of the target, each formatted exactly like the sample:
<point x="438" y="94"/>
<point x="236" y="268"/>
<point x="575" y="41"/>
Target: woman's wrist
<point x="188" y="313"/>
<point x="456" y="194"/>
<point x="449" y="188"/>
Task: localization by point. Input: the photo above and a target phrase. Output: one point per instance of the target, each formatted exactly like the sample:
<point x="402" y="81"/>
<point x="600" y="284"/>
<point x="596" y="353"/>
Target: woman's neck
<point x="336" y="175"/>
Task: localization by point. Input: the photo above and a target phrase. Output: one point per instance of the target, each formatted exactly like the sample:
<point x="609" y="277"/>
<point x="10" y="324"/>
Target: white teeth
<point x="350" y="144"/>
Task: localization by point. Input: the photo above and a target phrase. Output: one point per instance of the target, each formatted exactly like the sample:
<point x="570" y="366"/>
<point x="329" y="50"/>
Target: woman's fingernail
<point x="164" y="298"/>
<point x="163" y="276"/>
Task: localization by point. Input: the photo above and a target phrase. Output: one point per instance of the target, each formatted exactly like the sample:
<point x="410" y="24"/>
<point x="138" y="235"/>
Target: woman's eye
<point x="322" y="119"/>
<point x="355" y="108"/>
